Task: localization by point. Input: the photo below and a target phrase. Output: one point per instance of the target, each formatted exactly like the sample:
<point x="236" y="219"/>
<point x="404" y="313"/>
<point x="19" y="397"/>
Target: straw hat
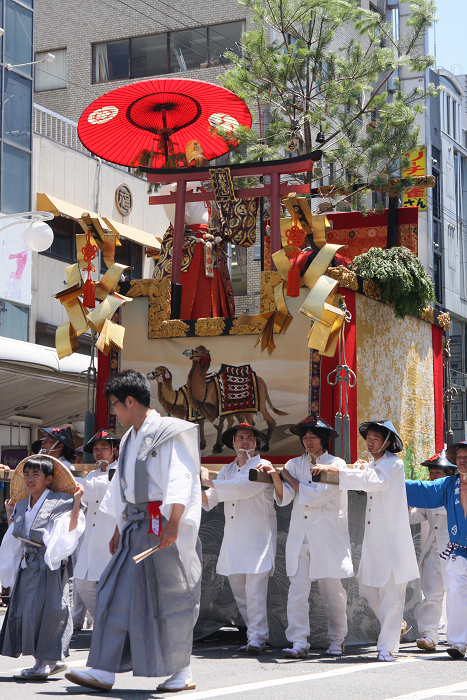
<point x="63" y="479"/>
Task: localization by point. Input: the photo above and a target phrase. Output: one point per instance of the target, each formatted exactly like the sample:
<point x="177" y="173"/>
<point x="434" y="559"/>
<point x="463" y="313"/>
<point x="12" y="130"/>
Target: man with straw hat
<point x="318" y="543"/>
<point x="94" y="554"/>
<point x="430" y="564"/>
<point x="451" y="492"/>
<point x="57" y="442"/>
<point x="388" y="559"/>
<point x="148" y="596"/>
<point x="46" y="523"/>
<point x="248" y="548"/>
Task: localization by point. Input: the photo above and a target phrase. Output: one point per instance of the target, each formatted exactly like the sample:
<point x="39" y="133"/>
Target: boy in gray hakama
<point x="146" y="611"/>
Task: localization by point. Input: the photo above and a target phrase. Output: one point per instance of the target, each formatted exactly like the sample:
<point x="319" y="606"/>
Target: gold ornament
<point x="371" y="289"/>
<point x="444" y="320"/>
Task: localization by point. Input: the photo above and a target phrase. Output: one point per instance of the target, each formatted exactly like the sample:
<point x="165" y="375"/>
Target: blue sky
<point x="451" y="35"/>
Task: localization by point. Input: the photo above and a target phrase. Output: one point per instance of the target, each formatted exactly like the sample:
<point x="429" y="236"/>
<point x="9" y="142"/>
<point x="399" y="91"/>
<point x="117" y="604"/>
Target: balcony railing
<point x="63" y="131"/>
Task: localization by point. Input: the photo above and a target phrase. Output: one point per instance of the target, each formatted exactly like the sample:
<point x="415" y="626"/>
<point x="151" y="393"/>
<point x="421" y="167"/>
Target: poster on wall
<point x="11" y="455"/>
<point x="15" y="264"/>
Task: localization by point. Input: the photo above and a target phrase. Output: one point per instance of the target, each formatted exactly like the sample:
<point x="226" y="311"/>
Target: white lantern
<point x="38" y="236"/>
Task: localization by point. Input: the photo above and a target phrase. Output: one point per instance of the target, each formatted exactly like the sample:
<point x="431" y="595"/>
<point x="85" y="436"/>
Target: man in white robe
<point x="146" y="611"/>
<point x="248" y="548"/>
<point x="94" y="554"/>
<point x="388" y="559"/>
<point x="318" y="543"/>
<point x="431" y="565"/>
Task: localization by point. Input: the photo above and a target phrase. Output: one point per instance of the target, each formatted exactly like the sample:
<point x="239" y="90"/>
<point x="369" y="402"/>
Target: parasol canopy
<point x="151" y="122"/>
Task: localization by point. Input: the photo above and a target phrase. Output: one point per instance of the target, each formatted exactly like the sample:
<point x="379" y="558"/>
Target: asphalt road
<point x="222" y="671"/>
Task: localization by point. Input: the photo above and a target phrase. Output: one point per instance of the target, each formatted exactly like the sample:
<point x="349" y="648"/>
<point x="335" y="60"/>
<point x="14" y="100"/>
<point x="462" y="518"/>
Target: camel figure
<point x="203" y="397"/>
<point x="174" y="401"/>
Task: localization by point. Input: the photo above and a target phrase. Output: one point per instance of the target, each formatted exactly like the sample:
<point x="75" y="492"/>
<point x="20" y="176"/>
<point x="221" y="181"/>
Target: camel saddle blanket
<point x="193" y="416"/>
<point x="237" y="389"/>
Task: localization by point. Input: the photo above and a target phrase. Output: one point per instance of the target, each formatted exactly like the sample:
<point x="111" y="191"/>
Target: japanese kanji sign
<point x="415" y="196"/>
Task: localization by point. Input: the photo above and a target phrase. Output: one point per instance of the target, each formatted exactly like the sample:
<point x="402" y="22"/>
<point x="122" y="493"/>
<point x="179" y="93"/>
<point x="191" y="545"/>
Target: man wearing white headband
<point x="94" y="554"/>
<point x="388" y="559"/>
<point x="249" y="546"/>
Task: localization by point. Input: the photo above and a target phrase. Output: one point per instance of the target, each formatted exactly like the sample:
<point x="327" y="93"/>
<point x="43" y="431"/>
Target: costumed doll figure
<point x="248" y="548"/>
<point x="146" y="610"/>
<point x="450" y="492"/>
<point x="318" y="543"/>
<point x="388" y="560"/>
<point x="94" y="554"/>
<point x="36" y="559"/>
<point x="57" y="442"/>
<point x="206" y="285"/>
<point x="430" y="563"/>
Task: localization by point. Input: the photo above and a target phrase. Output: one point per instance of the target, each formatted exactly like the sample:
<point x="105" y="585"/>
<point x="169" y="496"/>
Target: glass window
<point x="238" y="269"/>
<point x="50" y="76"/>
<point x="128" y="253"/>
<point x="16" y="180"/>
<point x="188" y="50"/>
<point x="111" y="61"/>
<point x="14" y="321"/>
<point x="224" y="37"/>
<point x="17" y="109"/>
<point x="63" y="246"/>
<point x="149" y="56"/>
<point x="18" y="36"/>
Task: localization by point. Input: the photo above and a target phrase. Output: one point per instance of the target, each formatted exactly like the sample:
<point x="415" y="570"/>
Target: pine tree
<point x="311" y="83"/>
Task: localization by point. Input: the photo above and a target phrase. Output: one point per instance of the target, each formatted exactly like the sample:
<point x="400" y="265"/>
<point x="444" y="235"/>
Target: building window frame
<point x="171" y="37"/>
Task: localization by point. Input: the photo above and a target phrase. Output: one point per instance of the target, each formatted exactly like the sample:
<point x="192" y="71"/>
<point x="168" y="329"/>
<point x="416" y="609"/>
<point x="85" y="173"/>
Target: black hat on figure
<point x="62" y="435"/>
<point x="439" y="461"/>
<point x="395" y="441"/>
<point x="102" y="434"/>
<point x="310" y="423"/>
<point x="229" y="434"/>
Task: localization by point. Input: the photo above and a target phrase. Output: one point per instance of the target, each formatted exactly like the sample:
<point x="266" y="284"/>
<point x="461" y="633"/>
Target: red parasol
<point x="150" y="122"/>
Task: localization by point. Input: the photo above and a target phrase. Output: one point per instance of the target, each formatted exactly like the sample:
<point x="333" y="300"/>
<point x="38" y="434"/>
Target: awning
<point x="39" y="386"/>
<point x="58" y="207"/>
<point x="133" y="234"/>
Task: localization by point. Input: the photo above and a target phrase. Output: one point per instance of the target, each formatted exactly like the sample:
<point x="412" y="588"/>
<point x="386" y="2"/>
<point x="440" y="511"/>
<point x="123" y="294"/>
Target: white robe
<point x="387" y="544"/>
<point x="94" y="554"/>
<point x="173" y="477"/>
<point x="250" y="533"/>
<point x="320" y="513"/>
<point x="59" y="543"/>
<point x="438" y="535"/>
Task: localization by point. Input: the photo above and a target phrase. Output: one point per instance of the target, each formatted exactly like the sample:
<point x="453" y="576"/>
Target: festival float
<point x="344" y="327"/>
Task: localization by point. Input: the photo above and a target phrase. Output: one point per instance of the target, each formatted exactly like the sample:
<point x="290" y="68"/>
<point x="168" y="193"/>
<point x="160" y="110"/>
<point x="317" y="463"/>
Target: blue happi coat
<point x="443" y="492"/>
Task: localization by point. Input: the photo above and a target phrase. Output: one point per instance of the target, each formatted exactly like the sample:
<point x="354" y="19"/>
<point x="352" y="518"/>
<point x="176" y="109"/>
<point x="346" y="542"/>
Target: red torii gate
<point x="274" y="190"/>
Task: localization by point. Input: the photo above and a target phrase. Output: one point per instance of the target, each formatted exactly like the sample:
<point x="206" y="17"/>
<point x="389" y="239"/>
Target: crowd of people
<point x="123" y="555"/>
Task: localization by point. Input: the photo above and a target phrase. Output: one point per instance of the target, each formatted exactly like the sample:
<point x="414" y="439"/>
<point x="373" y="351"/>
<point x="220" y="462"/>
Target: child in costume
<point x="388" y="560"/>
<point x="318" y="544"/>
<point x="35" y="557"/>
<point x="249" y="546"/>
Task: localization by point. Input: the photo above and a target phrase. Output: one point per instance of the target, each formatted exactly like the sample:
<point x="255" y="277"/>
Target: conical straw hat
<point x="63" y="479"/>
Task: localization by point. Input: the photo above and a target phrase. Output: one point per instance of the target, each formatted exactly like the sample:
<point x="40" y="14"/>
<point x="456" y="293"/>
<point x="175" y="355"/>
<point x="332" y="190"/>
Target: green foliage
<point x="309" y="82"/>
<point x="400" y="276"/>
